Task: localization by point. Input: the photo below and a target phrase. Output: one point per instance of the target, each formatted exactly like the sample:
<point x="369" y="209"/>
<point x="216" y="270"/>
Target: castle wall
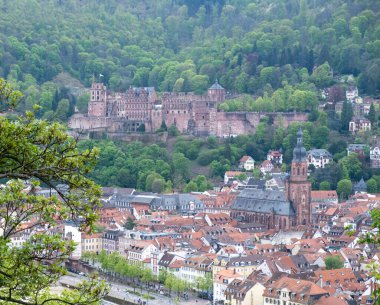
<point x="177" y="109"/>
<point x="79" y="121"/>
<point x="287" y="118"/>
<point x="231" y="124"/>
<point x="226" y="124"/>
<point x="179" y="118"/>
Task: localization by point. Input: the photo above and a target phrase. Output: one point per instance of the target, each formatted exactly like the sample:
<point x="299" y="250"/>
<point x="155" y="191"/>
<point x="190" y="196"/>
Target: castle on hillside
<point x="142" y="109"/>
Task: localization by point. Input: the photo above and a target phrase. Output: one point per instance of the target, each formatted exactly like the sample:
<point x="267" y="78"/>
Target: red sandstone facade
<point x="298" y="188"/>
<point x="190" y="113"/>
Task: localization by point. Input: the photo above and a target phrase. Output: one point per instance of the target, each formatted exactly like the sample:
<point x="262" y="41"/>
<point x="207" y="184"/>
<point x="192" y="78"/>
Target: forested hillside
<point x="252" y="47"/>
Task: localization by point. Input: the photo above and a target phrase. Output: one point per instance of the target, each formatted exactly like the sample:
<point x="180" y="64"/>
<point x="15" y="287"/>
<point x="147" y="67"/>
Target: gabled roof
<point x="331" y="300"/>
<point x="263" y="202"/>
<point x="317" y="153"/>
<point x="266" y="163"/>
<point x="233" y="173"/>
<point x="245" y="158"/>
<point x="343" y="277"/>
<point x="274" y="153"/>
<point x="324" y="195"/>
<point x="361" y="185"/>
<point x="166" y="260"/>
<point x="303" y="289"/>
<point x="256" y="183"/>
<point x="176" y="264"/>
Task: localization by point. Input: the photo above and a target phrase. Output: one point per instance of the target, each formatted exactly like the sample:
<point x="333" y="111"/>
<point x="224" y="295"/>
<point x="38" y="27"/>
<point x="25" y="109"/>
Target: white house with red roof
<point x="247" y="163"/>
<point x="231" y="175"/>
<point x="275" y="156"/>
<point x="221" y="281"/>
<point x="266" y="167"/>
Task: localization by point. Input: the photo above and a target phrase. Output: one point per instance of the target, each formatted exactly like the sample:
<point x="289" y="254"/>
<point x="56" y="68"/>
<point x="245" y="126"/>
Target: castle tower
<point x="216" y="92"/>
<point x="298" y="188"/>
<point x="97" y="106"/>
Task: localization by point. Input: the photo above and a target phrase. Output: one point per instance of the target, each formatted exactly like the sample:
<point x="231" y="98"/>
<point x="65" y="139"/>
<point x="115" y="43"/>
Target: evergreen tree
<point x="346" y="115"/>
<point x="56" y="100"/>
<point x="310" y="61"/>
<point x="163" y="126"/>
<point x="324" y="55"/>
<point x="372" y="114"/>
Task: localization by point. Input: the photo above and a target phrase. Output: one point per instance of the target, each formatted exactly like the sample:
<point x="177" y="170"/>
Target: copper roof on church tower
<point x="299" y="152"/>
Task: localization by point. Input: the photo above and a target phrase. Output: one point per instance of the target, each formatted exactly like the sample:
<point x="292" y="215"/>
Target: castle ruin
<point x="190" y="113"/>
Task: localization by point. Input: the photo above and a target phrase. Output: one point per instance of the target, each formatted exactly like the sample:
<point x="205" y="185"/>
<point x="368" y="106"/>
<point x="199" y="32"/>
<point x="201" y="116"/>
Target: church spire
<point x="298" y="188"/>
<point x="299" y="152"/>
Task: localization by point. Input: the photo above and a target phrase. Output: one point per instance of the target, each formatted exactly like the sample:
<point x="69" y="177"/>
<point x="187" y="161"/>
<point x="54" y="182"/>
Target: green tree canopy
<point x="344" y="188"/>
<point x="372" y="186"/>
<point x="325" y="186"/>
<point x="34" y="152"/>
<point x="333" y="262"/>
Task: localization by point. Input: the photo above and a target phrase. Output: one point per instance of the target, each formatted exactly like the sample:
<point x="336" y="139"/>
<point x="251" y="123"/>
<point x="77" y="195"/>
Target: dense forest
<point x="258" y="47"/>
<point x="276" y="55"/>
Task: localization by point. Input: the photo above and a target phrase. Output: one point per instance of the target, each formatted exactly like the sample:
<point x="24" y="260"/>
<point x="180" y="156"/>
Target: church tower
<point x="298" y="188"/>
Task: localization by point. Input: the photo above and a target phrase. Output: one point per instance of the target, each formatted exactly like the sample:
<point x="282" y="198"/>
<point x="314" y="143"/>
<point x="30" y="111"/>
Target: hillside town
<point x="272" y="241"/>
<point x="190" y="152"/>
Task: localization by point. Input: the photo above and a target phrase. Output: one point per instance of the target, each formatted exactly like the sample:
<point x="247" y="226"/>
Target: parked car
<point x="205" y="295"/>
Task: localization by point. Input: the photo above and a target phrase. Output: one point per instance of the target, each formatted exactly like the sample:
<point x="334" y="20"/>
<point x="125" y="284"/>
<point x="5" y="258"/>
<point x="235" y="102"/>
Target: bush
<point x="173" y="131"/>
<point x="206" y="157"/>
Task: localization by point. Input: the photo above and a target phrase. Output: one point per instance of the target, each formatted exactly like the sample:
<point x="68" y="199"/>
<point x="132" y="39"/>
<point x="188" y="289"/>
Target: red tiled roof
<point x="330" y="211"/>
<point x="176" y="264"/>
<point x="233" y="173"/>
<point x="266" y="163"/>
<point x="94" y="235"/>
<point x="300" y="287"/>
<point x="324" y="195"/>
<point x="275" y="153"/>
<point x="245" y="158"/>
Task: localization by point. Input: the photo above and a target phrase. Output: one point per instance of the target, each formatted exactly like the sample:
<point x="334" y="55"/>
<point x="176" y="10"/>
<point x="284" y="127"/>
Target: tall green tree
<point x="372" y="114"/>
<point x="34" y="152"/>
<point x="346" y="115"/>
<point x="372" y="186"/>
<point x="344" y="188"/>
